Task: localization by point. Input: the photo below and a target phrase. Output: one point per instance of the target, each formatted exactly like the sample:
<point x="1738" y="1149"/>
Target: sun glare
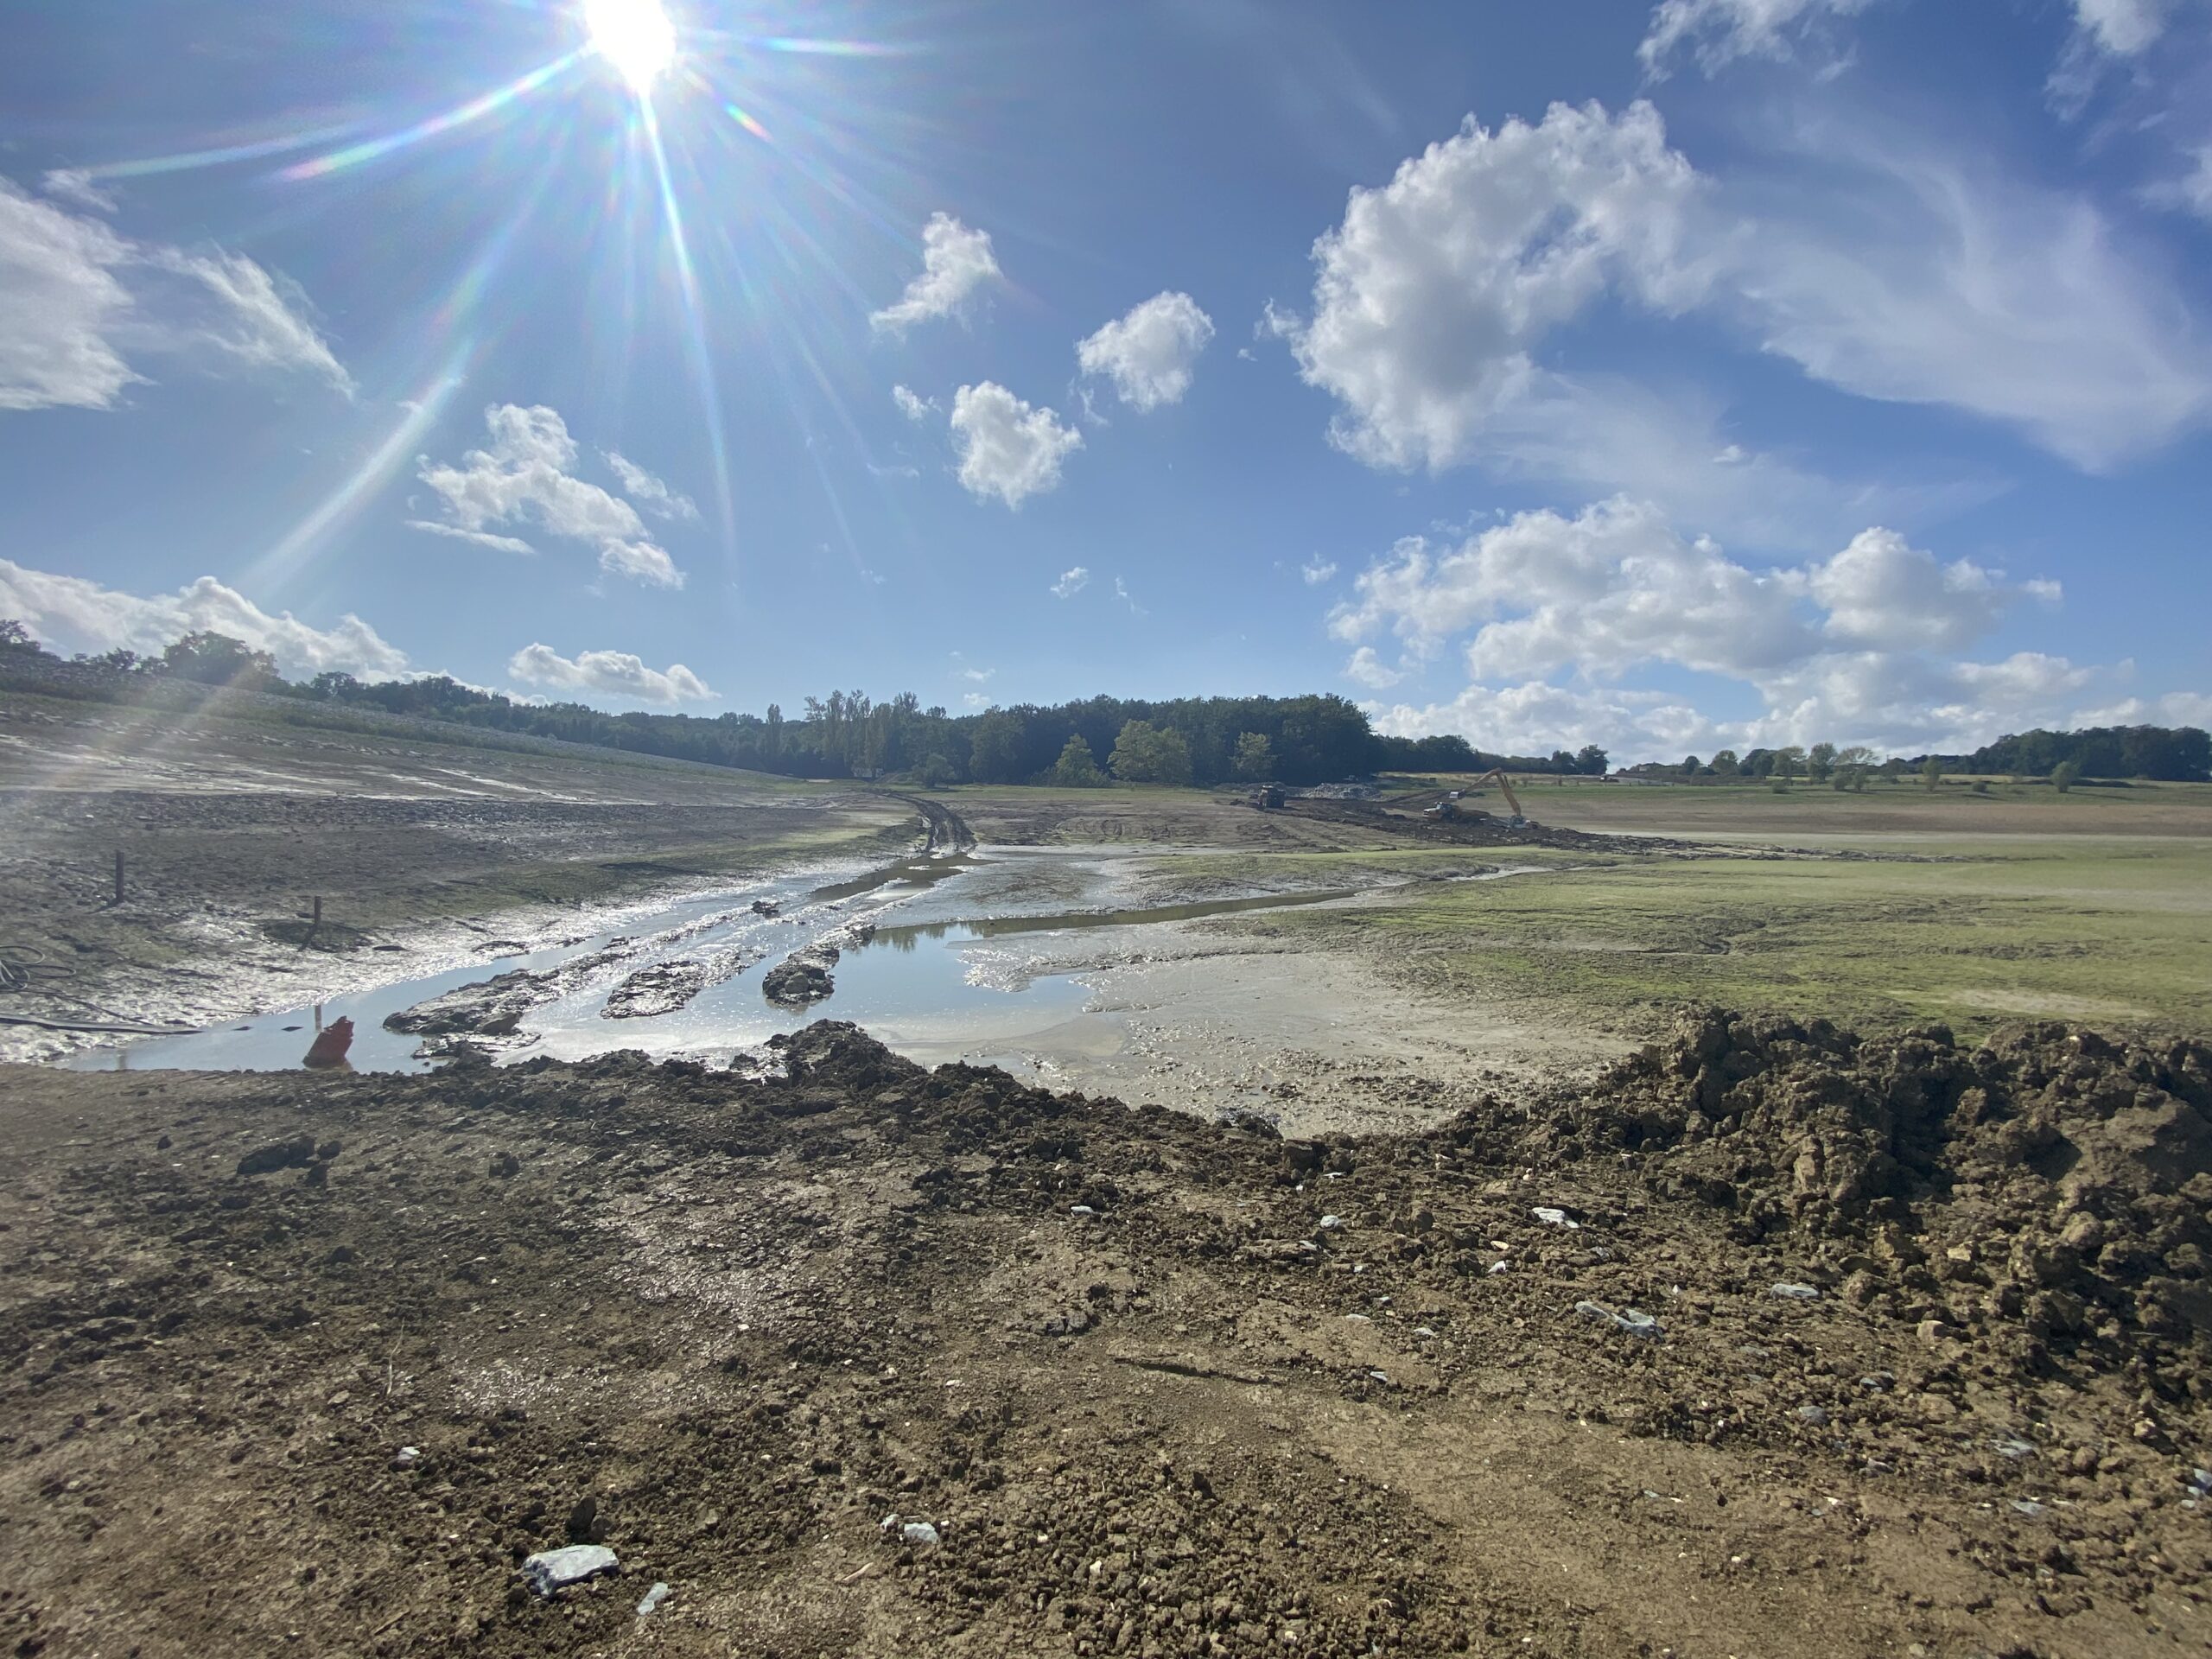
<point x="635" y="36"/>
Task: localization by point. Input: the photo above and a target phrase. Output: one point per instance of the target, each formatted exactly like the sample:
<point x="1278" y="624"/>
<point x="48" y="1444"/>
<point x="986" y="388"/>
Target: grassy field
<point x="1967" y="909"/>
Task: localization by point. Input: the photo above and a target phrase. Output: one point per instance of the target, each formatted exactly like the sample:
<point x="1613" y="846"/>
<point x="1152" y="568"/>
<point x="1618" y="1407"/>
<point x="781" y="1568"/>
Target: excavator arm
<point x="1496" y="776"/>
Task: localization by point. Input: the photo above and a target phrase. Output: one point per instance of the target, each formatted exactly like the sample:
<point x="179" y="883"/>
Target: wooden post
<point x="118" y="875"/>
<point x="314" y="926"/>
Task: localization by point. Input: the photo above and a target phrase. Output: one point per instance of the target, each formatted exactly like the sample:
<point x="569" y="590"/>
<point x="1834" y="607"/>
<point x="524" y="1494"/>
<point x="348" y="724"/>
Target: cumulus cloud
<point x="78" y="301"/>
<point x="1148" y="353"/>
<point x="74" y="613"/>
<point x="1921" y="278"/>
<point x="1007" y="447"/>
<point x="1367" y="669"/>
<point x="1072" y="582"/>
<point x="1317" y="570"/>
<point x="913" y="407"/>
<point x="1855" y="647"/>
<point x="651" y="491"/>
<point x="963" y="669"/>
<point x="955" y="262"/>
<point x="522" y="478"/>
<point x="1719" y="32"/>
<point x="611" y="673"/>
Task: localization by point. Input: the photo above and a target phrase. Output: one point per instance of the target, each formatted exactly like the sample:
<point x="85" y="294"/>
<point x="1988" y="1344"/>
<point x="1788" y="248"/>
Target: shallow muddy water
<point x="935" y="986"/>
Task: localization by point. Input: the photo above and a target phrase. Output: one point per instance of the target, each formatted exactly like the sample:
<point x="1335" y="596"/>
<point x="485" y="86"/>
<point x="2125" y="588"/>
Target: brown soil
<point x="1159" y="1385"/>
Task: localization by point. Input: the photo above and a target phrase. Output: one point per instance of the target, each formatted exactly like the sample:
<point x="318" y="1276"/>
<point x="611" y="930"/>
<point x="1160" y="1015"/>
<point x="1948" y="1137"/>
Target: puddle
<point x="932" y="988"/>
<point x="906" y="937"/>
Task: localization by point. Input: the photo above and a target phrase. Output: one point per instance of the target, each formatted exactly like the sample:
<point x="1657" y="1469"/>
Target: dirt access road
<point x="1770" y="1344"/>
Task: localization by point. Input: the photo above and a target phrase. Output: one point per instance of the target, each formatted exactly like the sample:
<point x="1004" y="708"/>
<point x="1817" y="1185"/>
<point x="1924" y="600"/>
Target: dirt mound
<point x="2050" y="1181"/>
<point x="867" y="1360"/>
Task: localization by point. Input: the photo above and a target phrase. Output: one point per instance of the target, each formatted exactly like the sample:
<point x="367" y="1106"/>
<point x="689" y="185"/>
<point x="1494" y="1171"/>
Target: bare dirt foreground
<point x="1769" y="1342"/>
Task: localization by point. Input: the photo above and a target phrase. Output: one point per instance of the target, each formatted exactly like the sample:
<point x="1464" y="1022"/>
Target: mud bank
<point x="1151" y="1385"/>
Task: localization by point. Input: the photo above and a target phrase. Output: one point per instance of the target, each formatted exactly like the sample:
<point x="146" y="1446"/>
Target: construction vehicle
<point x="1267" y="798"/>
<point x="1448" y="807"/>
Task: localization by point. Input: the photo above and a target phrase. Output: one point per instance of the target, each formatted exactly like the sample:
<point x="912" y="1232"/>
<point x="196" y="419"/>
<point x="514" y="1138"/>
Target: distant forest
<point x="1198" y="741"/>
<point x="2168" y="754"/>
<point x="1188" y="740"/>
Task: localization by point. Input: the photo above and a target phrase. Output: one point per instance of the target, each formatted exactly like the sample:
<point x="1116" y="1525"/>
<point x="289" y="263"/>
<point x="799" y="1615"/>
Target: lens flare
<point x="635" y="36"/>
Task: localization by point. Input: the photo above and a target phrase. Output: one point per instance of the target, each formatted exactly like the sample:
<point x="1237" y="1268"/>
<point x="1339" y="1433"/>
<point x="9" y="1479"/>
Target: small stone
<point x="2201" y="1479"/>
<point x="1796" y="1292"/>
<point x="653" y="1598"/>
<point x="585" y="1524"/>
<point x="2016" y="1449"/>
<point x="293" y="1154"/>
<point x="1330" y="1223"/>
<point x="920" y="1534"/>
<point x="550" y="1569"/>
<point x="1812" y="1414"/>
<point x="506" y="1165"/>
<point x="1933" y="1331"/>
<point x="1494" y="1267"/>
<point x="407" y="1457"/>
<point x="1552" y="1217"/>
<point x="1628" y="1320"/>
<point x="1081" y="1212"/>
<point x="2027" y="1506"/>
<point x="163" y="1144"/>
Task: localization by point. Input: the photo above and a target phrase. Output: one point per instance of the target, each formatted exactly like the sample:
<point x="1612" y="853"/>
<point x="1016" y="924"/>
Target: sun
<point x="635" y="36"/>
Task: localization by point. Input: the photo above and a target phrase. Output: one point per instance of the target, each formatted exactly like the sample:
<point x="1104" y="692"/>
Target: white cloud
<point x="480" y="538"/>
<point x="612" y="673"/>
<point x="913" y="407"/>
<point x="77" y="614"/>
<point x="1852" y="648"/>
<point x="1920" y="278"/>
<point x="77" y="300"/>
<point x="2121" y="27"/>
<point x="955" y="262"/>
<point x="1881" y="591"/>
<point x="245" y="313"/>
<point x="1317" y="570"/>
<point x="61" y="304"/>
<point x="77" y="186"/>
<point x="1072" y="582"/>
<point x="1007" y="449"/>
<point x="963" y="669"/>
<point x="522" y="478"/>
<point x="1149" y="352"/>
<point x="976" y="700"/>
<point x="1722" y="31"/>
<point x="1122" y="592"/>
<point x="650" y="490"/>
<point x="1367" y="669"/>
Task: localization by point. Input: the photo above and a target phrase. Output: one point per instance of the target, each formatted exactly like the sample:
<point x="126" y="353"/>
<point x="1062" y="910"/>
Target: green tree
<point x="1077" y="768"/>
<point x="1254" y="762"/>
<point x="14" y="636"/>
<point x="1787" y="762"/>
<point x="216" y="659"/>
<point x="1931" y="772"/>
<point x="1724" y="764"/>
<point x="936" y="772"/>
<point x="995" y="756"/>
<point x="1819" y="762"/>
<point x="1690" y="767"/>
<point x="1145" y="754"/>
<point x="1591" y="760"/>
<point x="2064" y="776"/>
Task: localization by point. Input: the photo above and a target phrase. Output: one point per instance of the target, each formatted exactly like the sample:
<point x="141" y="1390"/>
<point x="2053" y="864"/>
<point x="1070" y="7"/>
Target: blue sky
<point x="1726" y="372"/>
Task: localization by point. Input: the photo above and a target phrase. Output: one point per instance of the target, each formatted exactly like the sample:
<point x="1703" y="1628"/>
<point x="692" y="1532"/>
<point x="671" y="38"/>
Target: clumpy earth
<point x="1770" y="1341"/>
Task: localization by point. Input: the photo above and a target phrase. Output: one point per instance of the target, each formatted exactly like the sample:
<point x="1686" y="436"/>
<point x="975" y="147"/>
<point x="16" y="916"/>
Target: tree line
<point x="1186" y="740"/>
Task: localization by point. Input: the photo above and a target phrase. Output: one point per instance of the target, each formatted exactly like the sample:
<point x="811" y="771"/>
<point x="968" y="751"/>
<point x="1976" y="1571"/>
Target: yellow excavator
<point x="1448" y="806"/>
